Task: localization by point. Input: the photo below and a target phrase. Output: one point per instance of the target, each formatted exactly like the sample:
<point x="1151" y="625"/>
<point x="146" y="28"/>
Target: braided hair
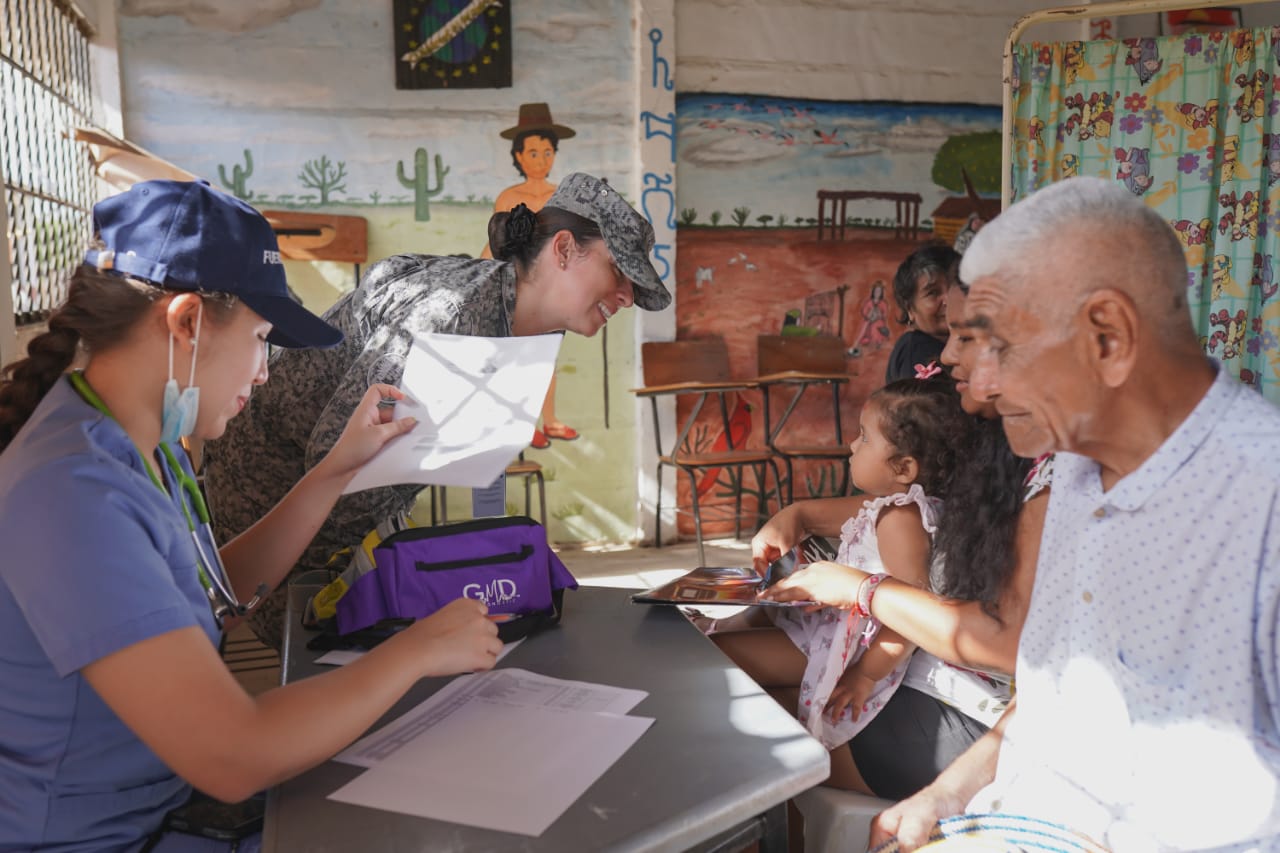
<point x="99" y="312"/>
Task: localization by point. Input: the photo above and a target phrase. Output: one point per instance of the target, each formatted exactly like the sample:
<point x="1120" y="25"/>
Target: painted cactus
<point x="238" y="177"/>
<point x="419" y="184"/>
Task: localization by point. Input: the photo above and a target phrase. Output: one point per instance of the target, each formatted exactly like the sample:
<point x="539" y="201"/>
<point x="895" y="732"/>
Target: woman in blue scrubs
<point x="115" y="699"/>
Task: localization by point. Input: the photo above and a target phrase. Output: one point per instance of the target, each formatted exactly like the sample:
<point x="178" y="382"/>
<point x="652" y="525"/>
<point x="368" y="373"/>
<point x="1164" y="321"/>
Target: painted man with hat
<point x="535" y="139"/>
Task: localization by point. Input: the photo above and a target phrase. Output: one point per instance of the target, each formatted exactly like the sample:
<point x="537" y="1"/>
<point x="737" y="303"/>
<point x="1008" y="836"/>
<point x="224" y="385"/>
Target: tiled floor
<point x="258" y="668"/>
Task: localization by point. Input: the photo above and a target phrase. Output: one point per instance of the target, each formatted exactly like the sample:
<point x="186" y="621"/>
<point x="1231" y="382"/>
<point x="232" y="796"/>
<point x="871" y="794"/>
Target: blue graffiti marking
<point x="657" y="185"/>
<point x="669" y="121"/>
<point x="655" y="36"/>
<point x="658" y="249"/>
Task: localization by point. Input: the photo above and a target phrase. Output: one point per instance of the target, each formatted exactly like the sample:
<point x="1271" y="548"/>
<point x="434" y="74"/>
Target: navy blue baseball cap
<point x="185" y="235"/>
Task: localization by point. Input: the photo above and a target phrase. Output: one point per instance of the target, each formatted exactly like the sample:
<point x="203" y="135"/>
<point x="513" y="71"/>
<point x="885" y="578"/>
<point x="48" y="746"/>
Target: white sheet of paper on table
<point x="342" y="657"/>
<point x="497" y="766"/>
<point x="477" y="401"/>
<point x="509" y="686"/>
<point x="443" y="759"/>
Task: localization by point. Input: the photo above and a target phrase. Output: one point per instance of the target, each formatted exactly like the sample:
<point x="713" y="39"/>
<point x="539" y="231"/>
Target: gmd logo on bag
<point x="494" y="594"/>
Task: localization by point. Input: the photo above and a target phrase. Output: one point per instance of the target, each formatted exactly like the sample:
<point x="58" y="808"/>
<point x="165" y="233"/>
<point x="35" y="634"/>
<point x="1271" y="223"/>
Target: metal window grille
<point x="48" y="178"/>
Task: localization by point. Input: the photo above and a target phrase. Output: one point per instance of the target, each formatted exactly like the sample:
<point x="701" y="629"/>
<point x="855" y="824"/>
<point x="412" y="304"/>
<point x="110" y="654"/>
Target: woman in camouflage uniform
<point x="570" y="266"/>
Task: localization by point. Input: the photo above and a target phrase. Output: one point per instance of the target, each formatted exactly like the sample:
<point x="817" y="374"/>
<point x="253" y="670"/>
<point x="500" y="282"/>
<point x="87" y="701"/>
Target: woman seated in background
<point x="919" y="289"/>
<point x="114" y="595"/>
<point x="572" y="265"/>
<point x="966" y="624"/>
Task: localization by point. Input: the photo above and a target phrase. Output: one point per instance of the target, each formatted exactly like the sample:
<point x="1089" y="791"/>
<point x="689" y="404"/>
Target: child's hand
<point x="850" y="694"/>
<point x="778" y="536"/>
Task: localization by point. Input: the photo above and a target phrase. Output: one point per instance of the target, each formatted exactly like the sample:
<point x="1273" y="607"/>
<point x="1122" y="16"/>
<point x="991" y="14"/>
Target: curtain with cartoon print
<point x="1189" y="123"/>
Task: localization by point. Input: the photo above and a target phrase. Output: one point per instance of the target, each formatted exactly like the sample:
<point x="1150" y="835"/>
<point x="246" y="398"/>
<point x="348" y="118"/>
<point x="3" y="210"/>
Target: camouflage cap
<point x="627" y="234"/>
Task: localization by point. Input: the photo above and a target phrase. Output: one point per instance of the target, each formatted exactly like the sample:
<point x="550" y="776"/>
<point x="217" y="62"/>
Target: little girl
<point x="911" y="432"/>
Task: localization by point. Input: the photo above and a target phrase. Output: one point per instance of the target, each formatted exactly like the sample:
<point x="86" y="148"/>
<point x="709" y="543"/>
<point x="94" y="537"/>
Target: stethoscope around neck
<point x="209" y="566"/>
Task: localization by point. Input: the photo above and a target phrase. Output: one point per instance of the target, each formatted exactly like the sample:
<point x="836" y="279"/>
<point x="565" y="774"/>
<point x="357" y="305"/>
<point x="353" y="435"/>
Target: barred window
<point x="48" y="178"/>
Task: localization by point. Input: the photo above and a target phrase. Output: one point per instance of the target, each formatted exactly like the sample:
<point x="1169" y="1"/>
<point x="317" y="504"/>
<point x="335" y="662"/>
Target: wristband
<point x="862" y="608"/>
<point x="867" y="591"/>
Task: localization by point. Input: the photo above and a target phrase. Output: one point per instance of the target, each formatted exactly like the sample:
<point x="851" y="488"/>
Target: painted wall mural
<point x="793" y="216"/>
<point x="263" y="109"/>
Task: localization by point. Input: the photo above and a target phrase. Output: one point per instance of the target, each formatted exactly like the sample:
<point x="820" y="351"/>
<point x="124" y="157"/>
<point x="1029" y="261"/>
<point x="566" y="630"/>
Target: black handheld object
<point x="202" y="815"/>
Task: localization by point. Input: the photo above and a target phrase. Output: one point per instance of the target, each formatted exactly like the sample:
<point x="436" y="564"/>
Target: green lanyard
<point x="91" y="397"/>
<point x="193" y="490"/>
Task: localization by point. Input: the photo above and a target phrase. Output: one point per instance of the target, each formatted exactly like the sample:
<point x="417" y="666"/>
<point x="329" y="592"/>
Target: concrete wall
<point x="869" y="50"/>
<point x="294" y="81"/>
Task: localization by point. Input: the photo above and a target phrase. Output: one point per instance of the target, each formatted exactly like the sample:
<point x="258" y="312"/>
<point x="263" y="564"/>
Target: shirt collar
<point x="1133" y="490"/>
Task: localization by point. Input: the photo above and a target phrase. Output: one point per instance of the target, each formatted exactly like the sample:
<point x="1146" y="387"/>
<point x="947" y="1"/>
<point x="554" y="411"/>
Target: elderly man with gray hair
<point x="1148" y="693"/>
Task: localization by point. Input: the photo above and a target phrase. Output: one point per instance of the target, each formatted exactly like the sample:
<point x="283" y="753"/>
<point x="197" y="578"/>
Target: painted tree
<point x="324" y="176"/>
<point x="422" y="193"/>
<point x="740" y="215"/>
<point x="977" y="153"/>
<point x="238" y="177"/>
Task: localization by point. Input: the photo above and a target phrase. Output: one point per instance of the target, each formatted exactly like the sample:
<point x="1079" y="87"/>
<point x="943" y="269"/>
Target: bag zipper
<point x="454" y="527"/>
<point x="525" y="552"/>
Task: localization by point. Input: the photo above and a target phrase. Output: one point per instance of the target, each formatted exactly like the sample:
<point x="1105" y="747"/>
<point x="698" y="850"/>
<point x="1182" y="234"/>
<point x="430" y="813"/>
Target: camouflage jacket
<point x="293" y="420"/>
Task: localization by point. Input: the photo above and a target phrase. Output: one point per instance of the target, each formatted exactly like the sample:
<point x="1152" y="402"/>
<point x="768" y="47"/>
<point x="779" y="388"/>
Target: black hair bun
<point x="520" y="225"/>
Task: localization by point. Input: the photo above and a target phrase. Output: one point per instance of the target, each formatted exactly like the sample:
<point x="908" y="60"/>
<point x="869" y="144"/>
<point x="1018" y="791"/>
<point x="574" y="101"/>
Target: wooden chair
<point x="521" y="467"/>
<point x="797" y="364"/>
<point x="701" y="368"/>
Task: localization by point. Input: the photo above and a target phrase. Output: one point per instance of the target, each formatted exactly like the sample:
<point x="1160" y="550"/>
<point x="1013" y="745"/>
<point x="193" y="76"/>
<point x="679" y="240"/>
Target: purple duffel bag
<point x="504" y="562"/>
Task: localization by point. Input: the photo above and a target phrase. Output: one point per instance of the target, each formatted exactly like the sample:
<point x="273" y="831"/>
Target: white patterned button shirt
<point x="1148" y="702"/>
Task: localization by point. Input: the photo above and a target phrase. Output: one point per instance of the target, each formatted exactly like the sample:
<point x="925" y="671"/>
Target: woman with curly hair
<point x="572" y="265"/>
<point x="964" y="623"/>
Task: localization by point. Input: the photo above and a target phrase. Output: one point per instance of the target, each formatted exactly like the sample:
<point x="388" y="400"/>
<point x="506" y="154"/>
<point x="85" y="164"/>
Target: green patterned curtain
<point x="1185" y="122"/>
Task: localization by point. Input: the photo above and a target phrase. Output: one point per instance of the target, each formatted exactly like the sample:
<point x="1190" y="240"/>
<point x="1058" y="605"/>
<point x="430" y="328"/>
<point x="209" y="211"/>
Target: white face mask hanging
<point x="178" y="417"/>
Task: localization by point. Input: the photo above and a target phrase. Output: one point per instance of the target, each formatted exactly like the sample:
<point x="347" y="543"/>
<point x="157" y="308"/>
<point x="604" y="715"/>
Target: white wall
<point x="868" y="50"/>
<point x="881" y="50"/>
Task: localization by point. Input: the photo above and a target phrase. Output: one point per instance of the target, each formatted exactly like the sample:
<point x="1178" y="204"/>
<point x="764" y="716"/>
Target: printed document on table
<point x="342" y="657"/>
<point x="515" y="688"/>
<point x="477" y="401"/>
<point x="506" y="750"/>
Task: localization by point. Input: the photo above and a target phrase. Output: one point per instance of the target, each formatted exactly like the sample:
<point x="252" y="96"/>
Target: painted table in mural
<point x="713" y="772"/>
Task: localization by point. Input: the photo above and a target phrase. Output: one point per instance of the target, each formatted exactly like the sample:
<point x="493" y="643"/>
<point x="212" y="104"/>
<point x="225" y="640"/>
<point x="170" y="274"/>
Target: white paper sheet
<point x="496" y="766"/>
<point x="342" y="657"/>
<point x="477" y="401"/>
<point x="507" y="749"/>
<point x="511" y="687"/>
